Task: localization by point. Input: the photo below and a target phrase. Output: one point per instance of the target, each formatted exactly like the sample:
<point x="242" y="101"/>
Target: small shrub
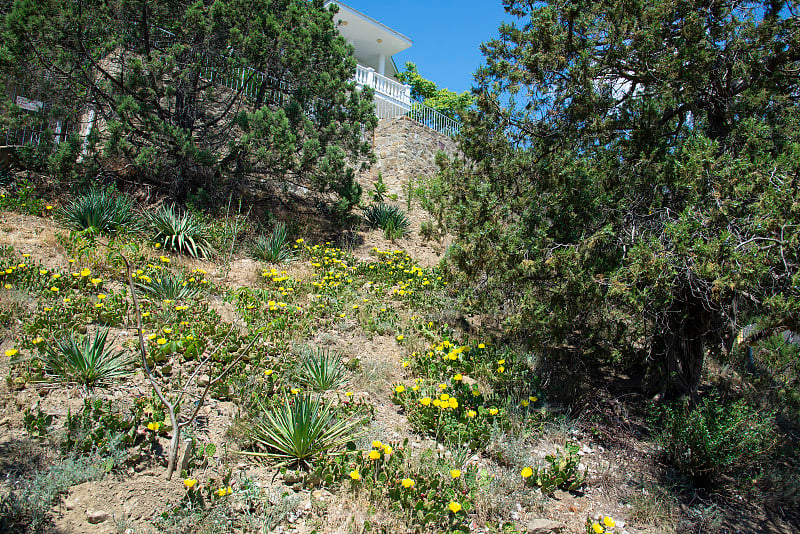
<point x="167" y="286"/>
<point x="379" y="190"/>
<point x="322" y="370"/>
<point x="274" y="248"/>
<point x="100" y="212"/>
<point x="91" y="365"/>
<point x="708" y="440"/>
<point x="180" y="231"/>
<point x="561" y="471"/>
<point x="391" y="219"/>
<point x="300" y="428"/>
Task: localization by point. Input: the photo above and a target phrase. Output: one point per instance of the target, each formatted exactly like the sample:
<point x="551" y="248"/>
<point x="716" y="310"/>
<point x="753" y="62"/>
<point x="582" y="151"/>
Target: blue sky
<point x="446" y="34"/>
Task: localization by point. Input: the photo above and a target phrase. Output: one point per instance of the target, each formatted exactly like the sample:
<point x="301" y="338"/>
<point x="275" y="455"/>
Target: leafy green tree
<point x="629" y="187"/>
<point x="193" y="94"/>
<point x="444" y="101"/>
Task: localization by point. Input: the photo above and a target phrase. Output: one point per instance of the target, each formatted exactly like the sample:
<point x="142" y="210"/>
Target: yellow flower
<point x="224" y="491"/>
<point x="444" y="396"/>
<point x="597" y="528"/>
<point x="400" y="337"/>
<point x="85" y="272"/>
<point x="399" y="388"/>
<point x="377" y="444"/>
<point x="154" y="426"/>
<point x="501" y="369"/>
<point x="374" y="455"/>
<point x="7" y="286"/>
<point x="471" y="414"/>
<point x="268" y="372"/>
<point x="48" y="207"/>
<point x="525" y="403"/>
<point x="501" y="362"/>
<point x="481" y="346"/>
<point x="437" y="402"/>
<point x="533" y="398"/>
<point x="348" y="394"/>
<point x="407" y="483"/>
<point x="458" y="377"/>
<point x="54" y="289"/>
<point x="492" y="411"/>
<point x="476" y="393"/>
<point x="96" y="281"/>
<point x="98" y="305"/>
<point x="294" y="391"/>
<point x="387" y="450"/>
<point x="453" y="403"/>
<point x="442" y="386"/>
<point x="38" y="340"/>
<point x="43" y="271"/>
<point x="166" y="330"/>
<point x="425" y="401"/>
<point x="454" y="507"/>
<point x="151" y="337"/>
<point x="527" y="472"/>
<point x="405" y="364"/>
<point x="101" y="296"/>
<point x="355" y="475"/>
<point x="607" y="521"/>
<point x="11" y="352"/>
<point x="161" y="341"/>
<point x="455" y="473"/>
<point x="189" y="482"/>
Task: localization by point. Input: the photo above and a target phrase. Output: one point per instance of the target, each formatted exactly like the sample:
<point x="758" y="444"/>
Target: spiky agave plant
<point x="180" y="231"/>
<point x="89" y="363"/>
<point x="100" y="211"/>
<point x="391" y="219"/>
<point x="275" y="247"/>
<point x="300" y="428"/>
<point x="322" y="370"/>
<point x="167" y="286"/>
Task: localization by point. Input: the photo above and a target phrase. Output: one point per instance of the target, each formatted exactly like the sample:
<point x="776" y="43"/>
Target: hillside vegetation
<point x="207" y="327"/>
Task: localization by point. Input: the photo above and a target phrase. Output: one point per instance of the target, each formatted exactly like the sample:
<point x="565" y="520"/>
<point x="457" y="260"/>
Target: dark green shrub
<point x="391" y="219"/>
<point x="100" y="212"/>
<point x="180" y="231"/>
<point x="715" y="436"/>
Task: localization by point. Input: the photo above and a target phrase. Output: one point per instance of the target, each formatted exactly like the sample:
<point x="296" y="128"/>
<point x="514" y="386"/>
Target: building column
<point x="382" y="64"/>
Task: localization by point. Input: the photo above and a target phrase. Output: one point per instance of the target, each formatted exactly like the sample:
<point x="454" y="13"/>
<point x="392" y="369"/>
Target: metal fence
<point x="433" y="119"/>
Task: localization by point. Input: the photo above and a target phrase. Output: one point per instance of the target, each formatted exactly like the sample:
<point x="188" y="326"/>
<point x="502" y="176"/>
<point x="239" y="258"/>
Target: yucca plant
<point x="275" y="247"/>
<point x="89" y="364"/>
<point x="180" y="231"/>
<point x="100" y="212"/>
<point x="322" y="370"/>
<point x="167" y="286"/>
<point x="300" y="428"/>
<point x="391" y="219"/>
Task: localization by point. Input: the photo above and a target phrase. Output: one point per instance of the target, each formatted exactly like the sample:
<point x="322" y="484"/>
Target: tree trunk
<point x="684" y="353"/>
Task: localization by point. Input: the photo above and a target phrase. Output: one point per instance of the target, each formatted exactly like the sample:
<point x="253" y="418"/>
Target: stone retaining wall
<point x="405" y="150"/>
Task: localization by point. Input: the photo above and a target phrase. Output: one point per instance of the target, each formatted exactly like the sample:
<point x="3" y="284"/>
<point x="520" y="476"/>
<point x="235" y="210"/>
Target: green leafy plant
<point x="707" y="440"/>
<point x="300" y="428"/>
<point x="322" y="370"/>
<point x="90" y="428"/>
<point x="379" y="189"/>
<point x="275" y="247"/>
<point x="90" y="364"/>
<point x="391" y="219"/>
<point x="181" y="232"/>
<point x="561" y="471"/>
<point x="36" y="424"/>
<point x="100" y="211"/>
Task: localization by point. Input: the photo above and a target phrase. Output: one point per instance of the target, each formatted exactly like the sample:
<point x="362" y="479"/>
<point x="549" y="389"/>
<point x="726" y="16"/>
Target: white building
<point x="375" y="44"/>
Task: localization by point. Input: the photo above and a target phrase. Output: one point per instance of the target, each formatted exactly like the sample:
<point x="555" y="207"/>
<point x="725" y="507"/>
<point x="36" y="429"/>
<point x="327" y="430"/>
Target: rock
<point x="292" y="477"/>
<point x="70" y="504"/>
<point x="545" y="526"/>
<point x="203" y="380"/>
<point x="96" y="516"/>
